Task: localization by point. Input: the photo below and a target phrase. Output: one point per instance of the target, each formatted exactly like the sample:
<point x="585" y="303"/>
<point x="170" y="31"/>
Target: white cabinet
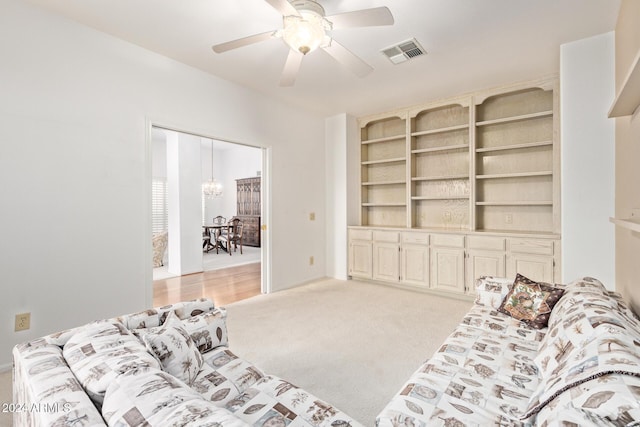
<point x="414" y="259"/>
<point x="386" y="256"/>
<point x="447" y="269"/>
<point x="533" y="258"/>
<point x="360" y="254"/>
<point x="447" y="262"/>
<point x="485" y="257"/>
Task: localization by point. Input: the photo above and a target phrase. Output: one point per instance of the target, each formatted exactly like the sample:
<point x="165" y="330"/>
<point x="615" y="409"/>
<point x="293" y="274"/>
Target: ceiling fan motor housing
<point x="308" y="6"/>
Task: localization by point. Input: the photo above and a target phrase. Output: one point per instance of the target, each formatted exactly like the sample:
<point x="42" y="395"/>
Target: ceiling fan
<point x="305" y="28"/>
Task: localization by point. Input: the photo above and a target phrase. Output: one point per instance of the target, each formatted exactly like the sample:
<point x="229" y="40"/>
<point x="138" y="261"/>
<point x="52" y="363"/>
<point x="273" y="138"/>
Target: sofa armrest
<point x="45" y="390"/>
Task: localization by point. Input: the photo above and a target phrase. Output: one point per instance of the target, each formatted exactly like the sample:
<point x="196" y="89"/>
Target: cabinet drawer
<point x="385" y="236"/>
<point x="360" y="234"/>
<point x="415" y="237"/>
<point x="531" y="246"/>
<point x="448" y="240"/>
<point x="484" y="242"/>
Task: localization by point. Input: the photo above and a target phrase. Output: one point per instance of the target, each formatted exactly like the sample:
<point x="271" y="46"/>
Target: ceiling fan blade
<point x="234" y="44"/>
<point x="291" y="67"/>
<point x="362" y="18"/>
<point x="348" y="59"/>
<point x="284" y="7"/>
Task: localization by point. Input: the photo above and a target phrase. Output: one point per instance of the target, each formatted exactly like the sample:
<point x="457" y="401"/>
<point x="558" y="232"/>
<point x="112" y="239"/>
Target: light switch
<point x="312" y="216"/>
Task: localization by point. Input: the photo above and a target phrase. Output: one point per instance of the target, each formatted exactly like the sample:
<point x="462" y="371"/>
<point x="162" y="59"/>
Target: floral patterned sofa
<point x="169" y="366"/>
<point x="499" y="367"/>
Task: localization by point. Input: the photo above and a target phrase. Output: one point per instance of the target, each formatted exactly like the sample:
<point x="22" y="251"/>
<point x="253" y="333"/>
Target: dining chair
<point x="216" y="232"/>
<point x="233" y="236"/>
<point x="206" y="241"/>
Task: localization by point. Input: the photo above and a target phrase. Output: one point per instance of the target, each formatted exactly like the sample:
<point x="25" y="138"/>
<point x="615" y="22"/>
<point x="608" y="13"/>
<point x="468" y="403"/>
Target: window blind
<point x="159" y="206"/>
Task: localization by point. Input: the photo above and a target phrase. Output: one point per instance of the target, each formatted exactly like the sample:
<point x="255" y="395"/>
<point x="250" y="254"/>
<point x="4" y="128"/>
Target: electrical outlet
<point x="23" y="322"/>
<point x="312" y="216"/>
<point x="508" y="219"/>
<point x="311" y="260"/>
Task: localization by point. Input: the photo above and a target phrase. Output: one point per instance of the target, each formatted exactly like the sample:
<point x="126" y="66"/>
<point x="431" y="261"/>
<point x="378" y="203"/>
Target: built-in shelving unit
<point x="439" y="145"/>
<point x="460" y="188"/>
<point x="483" y="162"/>
<point x="383" y="171"/>
<point x="628" y="98"/>
<point x="514" y="161"/>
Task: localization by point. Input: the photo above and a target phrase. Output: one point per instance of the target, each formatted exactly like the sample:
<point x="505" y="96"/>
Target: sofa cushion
<point x="156" y="316"/>
<point x="483" y="374"/>
<point x="530" y="302"/>
<point x="208" y="330"/>
<point x="225" y="376"/>
<point x="42" y="379"/>
<point x="174" y="348"/>
<point x="155" y="398"/>
<point x="100" y="351"/>
<point x="490" y="291"/>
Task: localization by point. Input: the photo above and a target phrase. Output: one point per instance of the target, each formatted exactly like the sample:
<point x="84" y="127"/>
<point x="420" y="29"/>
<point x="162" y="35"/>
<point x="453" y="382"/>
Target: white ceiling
<point x="471" y="44"/>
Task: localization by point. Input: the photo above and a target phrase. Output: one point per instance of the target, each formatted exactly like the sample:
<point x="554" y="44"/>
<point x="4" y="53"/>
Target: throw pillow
<point x="530" y="302"/>
<point x="174" y="349"/>
<point x="208" y="330"/>
<point x="490" y="291"/>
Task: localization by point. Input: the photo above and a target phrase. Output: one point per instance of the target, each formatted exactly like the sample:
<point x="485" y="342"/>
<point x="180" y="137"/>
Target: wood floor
<point x="223" y="286"/>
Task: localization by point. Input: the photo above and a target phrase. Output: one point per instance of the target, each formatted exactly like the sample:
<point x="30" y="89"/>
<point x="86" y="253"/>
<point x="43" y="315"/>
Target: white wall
<point x="588" y="163"/>
<point x="74" y="114"/>
<point x="184" y="202"/>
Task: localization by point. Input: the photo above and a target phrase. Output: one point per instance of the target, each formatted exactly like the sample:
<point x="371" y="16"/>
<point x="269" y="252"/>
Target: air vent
<point x="404" y="51"/>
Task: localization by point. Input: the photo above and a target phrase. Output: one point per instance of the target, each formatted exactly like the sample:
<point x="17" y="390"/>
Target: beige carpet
<point x="351" y="343"/>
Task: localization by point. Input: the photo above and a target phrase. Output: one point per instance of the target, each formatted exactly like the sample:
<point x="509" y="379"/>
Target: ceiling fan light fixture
<point x="306" y="32"/>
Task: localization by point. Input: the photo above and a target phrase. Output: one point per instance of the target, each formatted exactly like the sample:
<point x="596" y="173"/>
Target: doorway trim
<point x="265" y="258"/>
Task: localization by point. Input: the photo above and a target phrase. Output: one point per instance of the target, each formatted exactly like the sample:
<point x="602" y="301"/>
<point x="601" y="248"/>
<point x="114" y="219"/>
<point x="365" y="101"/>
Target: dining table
<point x="217" y="229"/>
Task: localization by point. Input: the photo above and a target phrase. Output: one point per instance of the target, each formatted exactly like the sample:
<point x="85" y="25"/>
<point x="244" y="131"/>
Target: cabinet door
<point x="447" y="269"/>
<point x="360" y="259"/>
<point x="483" y="263"/>
<point x="535" y="267"/>
<point x="414" y="261"/>
<point x="386" y="262"/>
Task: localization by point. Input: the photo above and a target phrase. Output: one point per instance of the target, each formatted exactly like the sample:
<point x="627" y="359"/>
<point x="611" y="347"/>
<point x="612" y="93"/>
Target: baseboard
<point x="6" y="367"/>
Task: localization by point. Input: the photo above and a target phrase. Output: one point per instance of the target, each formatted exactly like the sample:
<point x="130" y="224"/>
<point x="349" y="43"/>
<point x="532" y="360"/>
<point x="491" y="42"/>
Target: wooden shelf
<point x="514" y="175"/>
<point x="378" y="205"/>
<point x="632" y="224"/>
<point x="628" y="99"/>
<point x="517" y="203"/>
<point x="515" y="146"/>
<point x="385" y="139"/>
<point x="440" y="178"/>
<point x="385" y="183"/>
<point x="443" y="148"/>
<point x="439" y="197"/>
<point x="379" y="162"/>
<point x="516" y="118"/>
<point x="440" y="130"/>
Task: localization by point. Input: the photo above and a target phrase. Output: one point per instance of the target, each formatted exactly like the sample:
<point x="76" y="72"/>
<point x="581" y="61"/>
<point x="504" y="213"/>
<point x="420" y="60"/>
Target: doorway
<point x="184" y="168"/>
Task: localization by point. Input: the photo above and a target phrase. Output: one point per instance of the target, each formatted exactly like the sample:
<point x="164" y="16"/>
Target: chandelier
<point x="212" y="188"/>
